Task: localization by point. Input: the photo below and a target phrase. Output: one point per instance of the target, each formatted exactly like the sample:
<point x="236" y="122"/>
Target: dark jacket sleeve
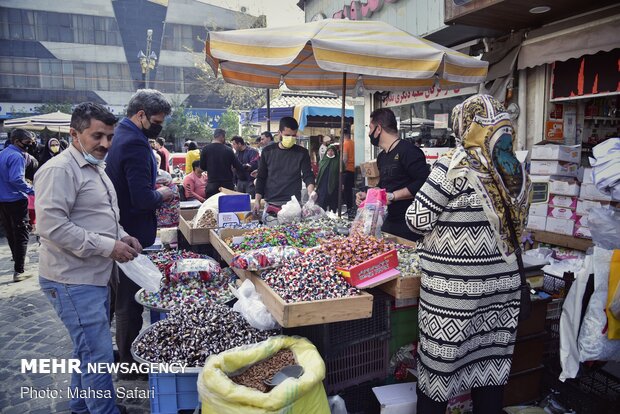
<point x="263" y="171"/>
<point x="306" y="169"/>
<point x="138" y="170"/>
<point x="203" y="159"/>
<point x="238" y="167"/>
<point x="254" y="160"/>
<point x="415" y="164"/>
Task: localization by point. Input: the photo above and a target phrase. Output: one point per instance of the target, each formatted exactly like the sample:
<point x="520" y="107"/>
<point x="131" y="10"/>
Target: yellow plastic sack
<point x="613" y="324"/>
<point x="304" y="395"/>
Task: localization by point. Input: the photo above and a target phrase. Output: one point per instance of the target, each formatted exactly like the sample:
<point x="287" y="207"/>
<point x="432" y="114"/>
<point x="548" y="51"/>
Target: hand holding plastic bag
<point x="250" y="305"/>
<point x="311" y="208"/>
<point x="290" y="212"/>
<point x="143" y="272"/>
<point x="370" y="214"/>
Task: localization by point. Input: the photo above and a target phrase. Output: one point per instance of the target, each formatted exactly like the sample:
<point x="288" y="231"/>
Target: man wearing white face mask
<point x="282" y="168"/>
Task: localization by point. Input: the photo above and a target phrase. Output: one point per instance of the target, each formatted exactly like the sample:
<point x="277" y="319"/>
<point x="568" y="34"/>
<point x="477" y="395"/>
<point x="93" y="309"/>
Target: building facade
<point x="79" y="50"/>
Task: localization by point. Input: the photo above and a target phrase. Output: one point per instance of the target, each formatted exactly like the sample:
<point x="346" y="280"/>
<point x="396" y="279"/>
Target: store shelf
<point x="561" y="240"/>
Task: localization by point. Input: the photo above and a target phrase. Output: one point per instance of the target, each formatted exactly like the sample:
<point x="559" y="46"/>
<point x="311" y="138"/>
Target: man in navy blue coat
<point x="132" y="168"/>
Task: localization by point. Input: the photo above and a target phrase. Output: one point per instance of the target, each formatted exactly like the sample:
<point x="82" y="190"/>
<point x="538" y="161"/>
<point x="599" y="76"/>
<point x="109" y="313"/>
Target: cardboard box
<point x="581" y="221"/>
<point x="568" y="153"/>
<point x="560" y="226"/>
<point x="584" y="206"/>
<point x="192" y="235"/>
<point x="565" y="169"/>
<point x="372" y="181"/>
<point x="372" y="272"/>
<point x="562" y="213"/>
<point x="230" y="219"/>
<point x="370" y="169"/>
<point x="564" y="186"/>
<point x="590" y="192"/>
<point x="563" y="201"/>
<point x="536" y="222"/>
<point x="397" y="398"/>
<point x="539" y="209"/>
<point x="233" y="203"/>
<point x="582" y="232"/>
<point x="587" y="176"/>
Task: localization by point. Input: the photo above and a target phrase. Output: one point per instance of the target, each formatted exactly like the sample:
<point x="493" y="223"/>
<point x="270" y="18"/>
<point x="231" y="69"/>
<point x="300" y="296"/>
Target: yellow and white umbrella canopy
<point x="316" y="55"/>
<point x="55" y="121"/>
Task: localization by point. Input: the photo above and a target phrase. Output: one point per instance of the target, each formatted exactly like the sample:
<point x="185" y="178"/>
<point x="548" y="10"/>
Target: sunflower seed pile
<point x="194" y="331"/>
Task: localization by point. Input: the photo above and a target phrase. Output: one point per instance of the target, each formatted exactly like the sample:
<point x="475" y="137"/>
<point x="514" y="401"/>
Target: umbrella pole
<point x="268" y="111"/>
<point x="341" y="147"/>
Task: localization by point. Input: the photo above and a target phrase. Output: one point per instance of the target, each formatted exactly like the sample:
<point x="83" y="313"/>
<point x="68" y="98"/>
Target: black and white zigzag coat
<point x="469" y="298"/>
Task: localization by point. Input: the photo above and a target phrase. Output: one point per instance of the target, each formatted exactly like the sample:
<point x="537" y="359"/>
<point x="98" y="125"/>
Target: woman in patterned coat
<point x="469" y="299"/>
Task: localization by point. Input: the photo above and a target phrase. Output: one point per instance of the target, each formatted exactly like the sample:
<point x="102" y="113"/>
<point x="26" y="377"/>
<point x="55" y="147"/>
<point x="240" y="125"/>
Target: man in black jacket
<point x="132" y="169"/>
<point x="218" y="160"/>
<point x="281" y="169"/>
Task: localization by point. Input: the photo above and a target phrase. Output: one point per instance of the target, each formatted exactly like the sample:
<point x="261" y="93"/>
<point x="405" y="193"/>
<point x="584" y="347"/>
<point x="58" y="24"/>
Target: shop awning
<point x="572" y="42"/>
<point x="303" y="113"/>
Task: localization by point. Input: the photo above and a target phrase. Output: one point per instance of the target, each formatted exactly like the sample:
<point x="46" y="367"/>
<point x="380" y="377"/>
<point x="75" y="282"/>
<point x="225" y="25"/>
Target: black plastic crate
<point x="356" y="364"/>
<point x="330" y="338"/>
<point x="360" y="399"/>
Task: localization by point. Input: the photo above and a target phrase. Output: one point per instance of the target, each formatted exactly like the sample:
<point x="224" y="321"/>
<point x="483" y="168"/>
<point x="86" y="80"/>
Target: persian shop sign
<point x="359" y="11"/>
<point x="409" y="97"/>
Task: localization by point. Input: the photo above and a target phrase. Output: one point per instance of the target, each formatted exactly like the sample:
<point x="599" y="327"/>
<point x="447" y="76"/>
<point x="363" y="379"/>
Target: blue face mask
<point x="90" y="158"/>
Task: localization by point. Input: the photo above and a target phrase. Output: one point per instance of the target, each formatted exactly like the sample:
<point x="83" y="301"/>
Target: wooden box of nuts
<point x="193" y="235"/>
<point x="290" y="315"/>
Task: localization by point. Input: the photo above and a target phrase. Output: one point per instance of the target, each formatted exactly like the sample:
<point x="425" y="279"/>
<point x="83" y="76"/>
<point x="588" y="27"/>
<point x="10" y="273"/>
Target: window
<point x="79" y="75"/>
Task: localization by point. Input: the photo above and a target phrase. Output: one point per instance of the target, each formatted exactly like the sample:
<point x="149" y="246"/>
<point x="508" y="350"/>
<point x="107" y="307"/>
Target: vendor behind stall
<point x="403" y="170"/>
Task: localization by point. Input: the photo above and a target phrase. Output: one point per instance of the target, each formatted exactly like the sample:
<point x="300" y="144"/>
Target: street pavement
<point x="31" y="329"/>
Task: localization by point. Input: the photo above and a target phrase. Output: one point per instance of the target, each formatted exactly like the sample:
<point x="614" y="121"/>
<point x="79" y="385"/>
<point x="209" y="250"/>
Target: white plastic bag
<point x="604" y="226"/>
<point x="311" y="209"/>
<point x="143" y="272"/>
<point x="593" y="342"/>
<point x="250" y="305"/>
<point x="337" y="405"/>
<point x="570" y="321"/>
<point x="290" y="212"/>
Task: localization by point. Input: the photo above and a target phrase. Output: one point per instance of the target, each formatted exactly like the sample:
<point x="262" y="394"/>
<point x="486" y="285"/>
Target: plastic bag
<point x="370" y="214"/>
<point x="593" y="342"/>
<point x="143" y="272"/>
<point x="605" y="227"/>
<point x="614" y="306"/>
<point x="265" y="258"/>
<point x="206" y="268"/>
<point x="168" y="213"/>
<point x="290" y="212"/>
<point x="311" y="208"/>
<point x="303" y="395"/>
<point x="337" y="405"/>
<point x="210" y="203"/>
<point x="250" y="305"/>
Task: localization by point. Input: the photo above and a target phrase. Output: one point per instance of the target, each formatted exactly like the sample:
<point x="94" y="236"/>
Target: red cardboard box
<point x="372" y="272"/>
<point x="562" y="213"/>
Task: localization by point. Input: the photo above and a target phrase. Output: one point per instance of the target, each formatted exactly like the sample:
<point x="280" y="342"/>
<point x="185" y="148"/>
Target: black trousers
<point x="486" y="400"/>
<point x="214" y="188"/>
<point x="348" y="179"/>
<point x="14" y="218"/>
<point x="128" y="315"/>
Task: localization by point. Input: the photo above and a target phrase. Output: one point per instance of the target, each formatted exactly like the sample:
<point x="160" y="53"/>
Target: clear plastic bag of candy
<point x="205" y="268"/>
<point x="312" y="209"/>
<point x="143" y="272"/>
<point x="264" y="258"/>
<point x="370" y="214"/>
<point x="168" y="213"/>
<point x="290" y="212"/>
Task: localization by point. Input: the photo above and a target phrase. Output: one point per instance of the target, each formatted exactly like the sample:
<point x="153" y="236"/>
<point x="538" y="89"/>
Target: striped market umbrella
<point x="335" y="54"/>
<point x="55" y="121"/>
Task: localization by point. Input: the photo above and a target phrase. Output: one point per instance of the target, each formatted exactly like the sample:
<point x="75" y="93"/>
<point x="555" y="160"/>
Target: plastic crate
<point x="173" y="392"/>
<point x="359" y="363"/>
<point x="360" y="399"/>
<point x="330" y="338"/>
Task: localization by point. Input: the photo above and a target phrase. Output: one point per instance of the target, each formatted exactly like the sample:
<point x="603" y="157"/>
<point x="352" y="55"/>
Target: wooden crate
<point x="193" y="236"/>
<point x="403" y="287"/>
<point x="290" y="315"/>
<point x="225" y="252"/>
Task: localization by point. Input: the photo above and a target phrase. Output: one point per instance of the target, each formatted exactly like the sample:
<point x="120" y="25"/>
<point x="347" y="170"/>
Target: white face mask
<point x="90" y="158"/>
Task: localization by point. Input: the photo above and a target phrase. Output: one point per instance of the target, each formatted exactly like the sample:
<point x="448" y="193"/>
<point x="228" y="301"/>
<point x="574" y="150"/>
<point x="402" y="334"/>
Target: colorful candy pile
<point x="312" y="276"/>
<point x="265" y="258"/>
<point x="164" y="259"/>
<point x="190" y="288"/>
<point x="289" y="235"/>
<point x="408" y="261"/>
<point x="356" y="249"/>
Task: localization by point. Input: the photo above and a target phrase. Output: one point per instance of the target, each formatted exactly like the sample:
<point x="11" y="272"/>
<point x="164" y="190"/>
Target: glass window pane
<point x="79" y="74"/>
<point x="42" y="33"/>
<point x="68" y="82"/>
<point x="100" y="23"/>
<point x="89" y="36"/>
<point x="100" y="37"/>
<point x="103" y="82"/>
<point x="32" y="67"/>
<point x="53" y="19"/>
<point x="53" y="33"/>
<point x="27" y="17"/>
<point x="15" y="16"/>
<point x="15" y="31"/>
<point x="88" y="23"/>
<point x="33" y="81"/>
<point x="20" y="81"/>
<point x="64" y="19"/>
<point x="66" y="34"/>
<point x="28" y="32"/>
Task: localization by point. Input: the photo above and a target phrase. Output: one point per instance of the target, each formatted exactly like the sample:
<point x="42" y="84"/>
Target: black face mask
<point x="24" y="147"/>
<point x="374" y="141"/>
<point x="152" y="131"/>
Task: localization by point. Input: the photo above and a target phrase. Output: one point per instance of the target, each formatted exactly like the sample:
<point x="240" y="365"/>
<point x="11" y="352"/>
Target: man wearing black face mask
<point x="132" y="169"/>
<point x="14" y="191"/>
<point x="403" y="170"/>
